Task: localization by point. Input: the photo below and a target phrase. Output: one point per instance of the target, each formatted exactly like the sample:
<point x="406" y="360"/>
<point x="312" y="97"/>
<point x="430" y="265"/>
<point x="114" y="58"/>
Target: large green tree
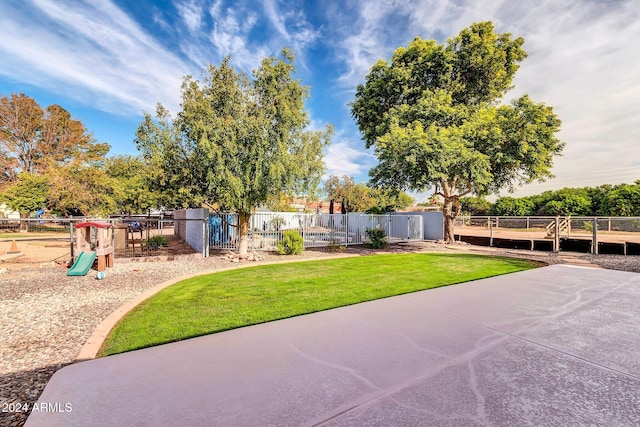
<point x="434" y="117"/>
<point x="131" y="191"/>
<point x="238" y="140"/>
<point x="624" y="200"/>
<point x="83" y="189"/>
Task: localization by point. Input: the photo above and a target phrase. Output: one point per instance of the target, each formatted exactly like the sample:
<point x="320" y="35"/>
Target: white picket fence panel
<point x="318" y="230"/>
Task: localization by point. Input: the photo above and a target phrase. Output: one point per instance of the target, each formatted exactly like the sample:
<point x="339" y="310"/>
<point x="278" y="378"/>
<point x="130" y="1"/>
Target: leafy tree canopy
<point x="32" y="139"/>
<point x="604" y="200"/>
<point x="510" y="206"/>
<point x="131" y="192"/>
<point x="47" y="147"/>
<point x="238" y="140"/>
<point x="28" y="193"/>
<point x="434" y="117"/>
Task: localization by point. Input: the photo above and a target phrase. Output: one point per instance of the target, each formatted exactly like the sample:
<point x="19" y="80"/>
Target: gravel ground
<point x="46" y="316"/>
<point x="615" y="262"/>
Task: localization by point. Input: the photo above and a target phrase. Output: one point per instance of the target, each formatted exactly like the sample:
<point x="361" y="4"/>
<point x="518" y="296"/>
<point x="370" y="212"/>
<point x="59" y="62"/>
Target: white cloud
<point x="343" y="158"/>
<point x="191" y="14"/>
<point x="368" y="37"/>
<point x="91" y="52"/>
<point x="293" y="28"/>
<point x="276" y="18"/>
<point x="230" y="36"/>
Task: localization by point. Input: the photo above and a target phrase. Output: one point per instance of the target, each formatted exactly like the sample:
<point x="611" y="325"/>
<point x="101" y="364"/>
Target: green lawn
<point x="232" y="299"/>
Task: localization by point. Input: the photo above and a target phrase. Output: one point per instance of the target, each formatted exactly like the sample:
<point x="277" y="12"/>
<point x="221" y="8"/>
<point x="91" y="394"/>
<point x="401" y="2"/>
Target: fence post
<point x="113" y="238"/>
<point x="205" y="237"/>
<point x="594" y="242"/>
<point x="71" y="240"/>
<point x="408" y="228"/>
<point x="556" y="237"/>
<point x="490" y="232"/>
<point x="527" y="223"/>
<point x="346" y="232"/>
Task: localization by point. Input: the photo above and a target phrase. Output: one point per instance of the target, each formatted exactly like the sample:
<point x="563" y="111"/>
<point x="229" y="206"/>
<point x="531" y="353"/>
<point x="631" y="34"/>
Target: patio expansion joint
<point x="466" y="358"/>
<point x="547" y="347"/>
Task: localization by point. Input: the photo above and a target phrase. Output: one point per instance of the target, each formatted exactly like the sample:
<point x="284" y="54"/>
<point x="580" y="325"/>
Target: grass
<point x="232" y="299"/>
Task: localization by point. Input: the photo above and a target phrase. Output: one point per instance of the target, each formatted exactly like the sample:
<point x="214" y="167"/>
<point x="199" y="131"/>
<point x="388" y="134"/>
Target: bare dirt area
<point x="47" y="316"/>
<point x="540" y="234"/>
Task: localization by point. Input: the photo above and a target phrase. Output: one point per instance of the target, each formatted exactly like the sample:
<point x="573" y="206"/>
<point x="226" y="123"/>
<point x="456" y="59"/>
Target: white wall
<point x="5" y="212"/>
<point x="191" y="225"/>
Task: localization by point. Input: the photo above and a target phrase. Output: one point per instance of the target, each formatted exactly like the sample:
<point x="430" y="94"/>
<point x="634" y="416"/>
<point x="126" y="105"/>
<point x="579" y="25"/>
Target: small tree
<point x="238" y="141"/>
<point x="433" y="116"/>
<point x="27" y="194"/>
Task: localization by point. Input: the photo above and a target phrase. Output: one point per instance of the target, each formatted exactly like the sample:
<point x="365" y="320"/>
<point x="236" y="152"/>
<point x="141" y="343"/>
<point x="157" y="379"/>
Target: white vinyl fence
<point x="317" y="230"/>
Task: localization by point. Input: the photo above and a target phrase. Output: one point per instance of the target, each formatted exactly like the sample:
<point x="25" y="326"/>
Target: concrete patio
<point x="554" y="346"/>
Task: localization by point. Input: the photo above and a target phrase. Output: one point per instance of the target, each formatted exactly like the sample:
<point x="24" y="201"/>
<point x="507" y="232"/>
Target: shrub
<point x="157" y="241"/>
<point x="377" y="238"/>
<point x="335" y="246"/>
<point x="291" y="243"/>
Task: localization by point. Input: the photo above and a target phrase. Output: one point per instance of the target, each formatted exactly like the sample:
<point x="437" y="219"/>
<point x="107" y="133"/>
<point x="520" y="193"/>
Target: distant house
<point x="6" y="213"/>
<point x="432" y="208"/>
<point x="323" y="207"/>
<point x="301" y="204"/>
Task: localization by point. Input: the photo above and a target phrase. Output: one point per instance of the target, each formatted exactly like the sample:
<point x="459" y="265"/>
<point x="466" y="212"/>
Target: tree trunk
<point x="24" y="225"/>
<point x="450" y="210"/>
<point x="243" y="247"/>
<point x="449" y="237"/>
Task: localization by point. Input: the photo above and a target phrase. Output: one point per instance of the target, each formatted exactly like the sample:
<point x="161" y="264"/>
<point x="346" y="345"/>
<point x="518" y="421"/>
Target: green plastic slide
<point x="83" y="264"/>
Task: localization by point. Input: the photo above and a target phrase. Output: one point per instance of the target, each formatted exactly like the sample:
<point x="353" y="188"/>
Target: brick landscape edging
<point x="92" y="346"/>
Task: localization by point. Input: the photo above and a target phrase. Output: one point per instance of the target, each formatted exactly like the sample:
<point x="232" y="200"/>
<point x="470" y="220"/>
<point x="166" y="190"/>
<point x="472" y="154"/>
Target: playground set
<point x="93" y="240"/>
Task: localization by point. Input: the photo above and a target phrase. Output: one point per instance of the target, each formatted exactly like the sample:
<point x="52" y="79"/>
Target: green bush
<point x="377" y="238"/>
<point x="291" y="243"/>
<point x="157" y="241"/>
<point x="335" y="246"/>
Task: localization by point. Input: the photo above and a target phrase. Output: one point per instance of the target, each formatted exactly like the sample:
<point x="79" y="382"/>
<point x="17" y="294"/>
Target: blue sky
<point x="106" y="61"/>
